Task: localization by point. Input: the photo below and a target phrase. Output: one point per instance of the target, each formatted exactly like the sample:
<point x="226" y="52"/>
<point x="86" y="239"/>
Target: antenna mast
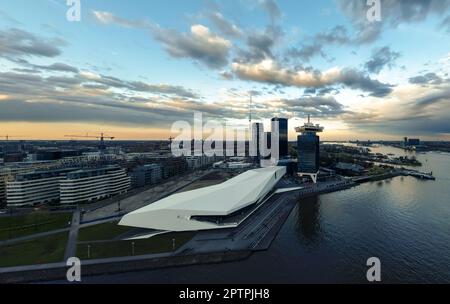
<point x="250" y="109"/>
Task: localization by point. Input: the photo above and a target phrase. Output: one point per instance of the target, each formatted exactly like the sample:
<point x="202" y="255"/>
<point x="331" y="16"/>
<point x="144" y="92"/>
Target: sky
<point x="133" y="68"/>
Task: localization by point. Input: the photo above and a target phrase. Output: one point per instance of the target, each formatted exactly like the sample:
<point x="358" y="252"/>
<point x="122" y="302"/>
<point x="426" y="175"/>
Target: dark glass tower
<point x="308" y="152"/>
<point x="283" y="135"/>
<point x="308" y="149"/>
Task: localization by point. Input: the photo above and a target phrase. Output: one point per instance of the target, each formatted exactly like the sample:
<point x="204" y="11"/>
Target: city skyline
<point x="133" y="70"/>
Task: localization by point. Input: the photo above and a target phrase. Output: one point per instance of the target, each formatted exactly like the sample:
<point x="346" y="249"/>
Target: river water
<point x="405" y="222"/>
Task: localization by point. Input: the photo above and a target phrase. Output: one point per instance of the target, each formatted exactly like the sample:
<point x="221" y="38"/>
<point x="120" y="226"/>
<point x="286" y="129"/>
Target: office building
<point x="173" y="167"/>
<point x="87" y="185"/>
<point x="257" y="130"/>
<point x="282" y="135"/>
<point x="146" y="175"/>
<point x="413" y="142"/>
<point x="308" y="154"/>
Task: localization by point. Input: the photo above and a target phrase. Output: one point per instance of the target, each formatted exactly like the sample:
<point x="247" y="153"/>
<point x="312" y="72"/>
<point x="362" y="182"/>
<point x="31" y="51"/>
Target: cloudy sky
<point x="132" y="68"/>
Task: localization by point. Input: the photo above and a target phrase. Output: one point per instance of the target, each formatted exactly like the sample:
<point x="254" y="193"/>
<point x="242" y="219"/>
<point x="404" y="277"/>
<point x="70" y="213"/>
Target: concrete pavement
<point x="71" y="246"/>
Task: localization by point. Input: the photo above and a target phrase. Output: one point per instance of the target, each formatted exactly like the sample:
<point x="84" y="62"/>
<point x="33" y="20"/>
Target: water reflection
<point x="308" y="218"/>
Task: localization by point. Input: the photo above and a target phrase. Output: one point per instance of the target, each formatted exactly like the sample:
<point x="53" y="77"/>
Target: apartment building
<point x="87" y="185"/>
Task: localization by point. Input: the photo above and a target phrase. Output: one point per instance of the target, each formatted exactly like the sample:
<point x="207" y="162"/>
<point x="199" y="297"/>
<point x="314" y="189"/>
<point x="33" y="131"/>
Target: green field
<point x="106" y="231"/>
<point x="32" y="223"/>
<point x="376" y="170"/>
<point x="157" y="244"/>
<point x="42" y="250"/>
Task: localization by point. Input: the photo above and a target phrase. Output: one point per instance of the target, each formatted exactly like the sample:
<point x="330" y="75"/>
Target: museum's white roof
<point x="221" y="199"/>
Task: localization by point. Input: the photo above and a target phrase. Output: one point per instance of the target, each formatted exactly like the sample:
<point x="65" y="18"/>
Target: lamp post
<point x="10" y="222"/>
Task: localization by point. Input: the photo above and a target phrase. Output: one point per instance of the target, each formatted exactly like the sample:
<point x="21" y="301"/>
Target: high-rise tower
<point x="308" y="149"/>
<point x="282" y="135"/>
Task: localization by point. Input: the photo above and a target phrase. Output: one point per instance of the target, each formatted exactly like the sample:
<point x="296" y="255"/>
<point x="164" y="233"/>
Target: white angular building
<point x="224" y="205"/>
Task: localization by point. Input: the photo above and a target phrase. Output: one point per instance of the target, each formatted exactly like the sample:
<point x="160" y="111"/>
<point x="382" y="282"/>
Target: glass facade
<point x="283" y="135"/>
<point x="308" y="152"/>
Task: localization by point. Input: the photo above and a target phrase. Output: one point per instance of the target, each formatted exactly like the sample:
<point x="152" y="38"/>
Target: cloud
<point x="337" y="35"/>
<point x="445" y="24"/>
<point x="315" y="105"/>
<point x="16" y="43"/>
<point x="410" y="110"/>
<point x="259" y="45"/>
<point x="200" y="44"/>
<point x="393" y="13"/>
<point x="59" y="67"/>
<point x="428" y="78"/>
<point x="267" y="71"/>
<point x="272" y="9"/>
<point x="109" y="18"/>
<point x="382" y="57"/>
<point x="36" y="85"/>
<point x="163" y="89"/>
<point x="224" y="26"/>
<point x="433" y="98"/>
<point x="8" y="18"/>
<point x="40" y="101"/>
<point x="226" y="75"/>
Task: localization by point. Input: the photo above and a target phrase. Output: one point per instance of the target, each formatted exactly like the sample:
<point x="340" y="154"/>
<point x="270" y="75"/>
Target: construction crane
<point x="102" y="138"/>
<point x="170" y="143"/>
<point x="6" y="143"/>
<point x="7" y="137"/>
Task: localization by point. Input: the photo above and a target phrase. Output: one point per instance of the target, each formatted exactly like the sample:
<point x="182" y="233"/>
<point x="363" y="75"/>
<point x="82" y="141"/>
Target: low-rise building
<point x="146" y="175"/>
<point x="197" y="162"/>
<point x="349" y="168"/>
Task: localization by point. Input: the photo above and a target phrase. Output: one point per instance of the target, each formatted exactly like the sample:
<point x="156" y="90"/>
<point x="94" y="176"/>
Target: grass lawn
<point x="106" y="231"/>
<point x="157" y="244"/>
<point x="35" y="222"/>
<point x="42" y="250"/>
<point x="376" y="170"/>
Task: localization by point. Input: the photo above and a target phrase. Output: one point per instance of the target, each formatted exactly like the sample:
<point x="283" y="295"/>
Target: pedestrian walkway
<point x="71" y="246"/>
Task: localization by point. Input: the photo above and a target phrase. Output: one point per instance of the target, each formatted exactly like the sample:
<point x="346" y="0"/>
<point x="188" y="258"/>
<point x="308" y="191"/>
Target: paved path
<point x="71" y="246"/>
<point x="32" y="236"/>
